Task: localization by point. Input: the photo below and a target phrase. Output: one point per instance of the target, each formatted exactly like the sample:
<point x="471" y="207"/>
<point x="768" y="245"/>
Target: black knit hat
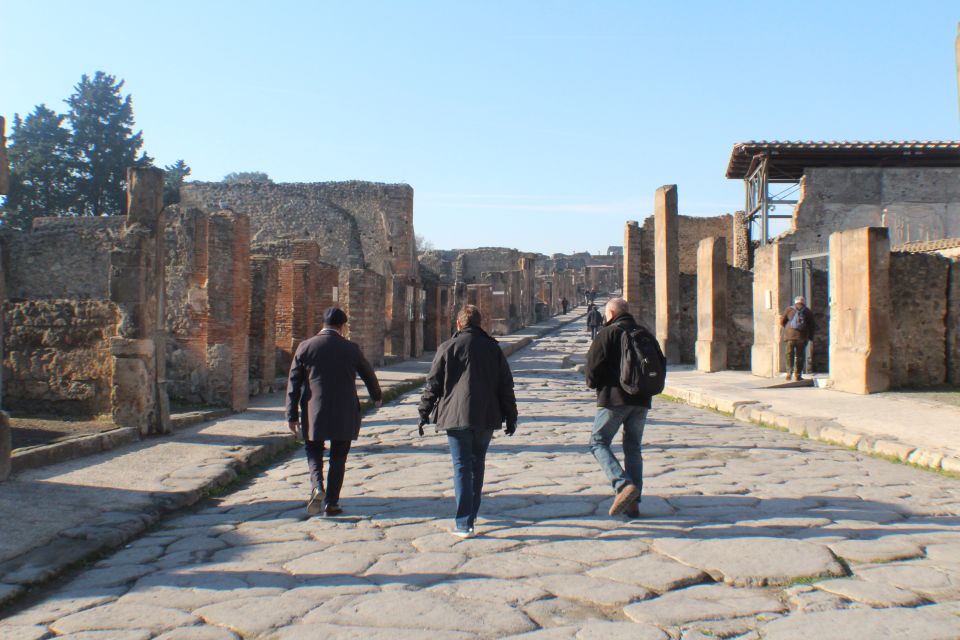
<point x="334" y="317"/>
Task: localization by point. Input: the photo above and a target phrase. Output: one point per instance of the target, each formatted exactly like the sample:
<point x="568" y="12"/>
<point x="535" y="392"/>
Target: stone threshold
<point x="826" y="430"/>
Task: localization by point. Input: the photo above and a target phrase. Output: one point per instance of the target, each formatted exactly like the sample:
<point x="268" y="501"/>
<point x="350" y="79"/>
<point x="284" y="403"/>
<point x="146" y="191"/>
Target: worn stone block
<point x="712" y="317"/>
<point x="631" y="262"/>
<point x="860" y="310"/>
<point x="667" y="272"/>
<point x="771" y="295"/>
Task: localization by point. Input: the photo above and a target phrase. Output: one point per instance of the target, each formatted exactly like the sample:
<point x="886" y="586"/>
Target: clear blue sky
<point x="540" y="125"/>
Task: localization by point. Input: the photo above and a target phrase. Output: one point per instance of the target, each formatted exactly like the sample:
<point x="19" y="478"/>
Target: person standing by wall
<point x="565" y="304"/>
<point x="469" y="394"/>
<point x="797" y="322"/>
<point x="322" y="403"/>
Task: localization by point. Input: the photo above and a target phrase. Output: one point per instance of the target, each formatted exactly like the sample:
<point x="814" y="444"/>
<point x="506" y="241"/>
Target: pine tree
<point x="40" y="168"/>
<point x="104" y="144"/>
<point x="174" y="175"/>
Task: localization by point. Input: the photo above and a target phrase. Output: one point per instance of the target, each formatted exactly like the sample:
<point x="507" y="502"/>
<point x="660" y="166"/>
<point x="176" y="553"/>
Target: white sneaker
<point x="464" y="533"/>
<point x="315" y="503"/>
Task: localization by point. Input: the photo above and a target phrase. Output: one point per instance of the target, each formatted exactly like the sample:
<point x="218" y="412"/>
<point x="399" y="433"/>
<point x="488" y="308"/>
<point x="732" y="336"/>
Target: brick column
<point x="712" y="316"/>
<point x="667" y="260"/>
<point x="860" y="310"/>
<point x="264" y="284"/>
<point x="139" y="396"/>
<point x="528" y="302"/>
<point x="771" y="296"/>
<point x="362" y="297"/>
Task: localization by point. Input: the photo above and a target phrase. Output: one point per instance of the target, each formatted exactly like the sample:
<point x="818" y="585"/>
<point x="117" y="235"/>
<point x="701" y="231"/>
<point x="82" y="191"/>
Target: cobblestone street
<point x="745" y="532"/>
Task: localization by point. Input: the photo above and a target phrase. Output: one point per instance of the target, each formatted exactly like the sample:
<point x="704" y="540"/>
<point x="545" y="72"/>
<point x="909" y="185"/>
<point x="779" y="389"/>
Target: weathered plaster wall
<point x="740" y="310"/>
<point x="690" y="231"/>
<point x="914" y="203"/>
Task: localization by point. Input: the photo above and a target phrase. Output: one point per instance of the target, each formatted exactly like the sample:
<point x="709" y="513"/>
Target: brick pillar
<point x="419" y="313"/>
<point x="264" y="285"/>
<point x="860" y="310"/>
<point x="139" y="396"/>
<point x="446" y="313"/>
<point x="481" y="296"/>
<point x="771" y="296"/>
<point x="362" y="297"/>
<point x="667" y="259"/>
<point x="528" y="303"/>
<point x="711" y="345"/>
<point x="228" y="294"/>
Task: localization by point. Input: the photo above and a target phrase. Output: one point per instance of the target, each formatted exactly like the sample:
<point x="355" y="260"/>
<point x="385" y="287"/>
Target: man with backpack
<point x="627" y="368"/>
<point x="797" y="322"/>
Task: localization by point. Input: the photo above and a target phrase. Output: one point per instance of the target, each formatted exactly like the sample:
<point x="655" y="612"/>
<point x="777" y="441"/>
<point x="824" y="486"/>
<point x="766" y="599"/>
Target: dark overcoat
<point x="322" y="388"/>
<point x="470" y="384"/>
<point x="602" y="369"/>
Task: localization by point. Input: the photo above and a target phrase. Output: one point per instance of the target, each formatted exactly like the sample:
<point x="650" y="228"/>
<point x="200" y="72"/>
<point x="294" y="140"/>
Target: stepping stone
<point x="753" y="562"/>
<point x="651" y="571"/>
<point x="704" y="602"/>
<point x="880" y="550"/>
<point x="124" y="616"/>
<point x="875" y="624"/>
<point x="594" y="591"/>
<point x="874" y="594"/>
<point x="925" y="580"/>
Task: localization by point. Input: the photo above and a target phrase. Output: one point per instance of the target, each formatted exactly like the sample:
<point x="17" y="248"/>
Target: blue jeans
<point x="605" y="427"/>
<point x="468" y="448"/>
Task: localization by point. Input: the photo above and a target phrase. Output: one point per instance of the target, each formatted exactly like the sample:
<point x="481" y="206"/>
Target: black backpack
<point x="643" y="369"/>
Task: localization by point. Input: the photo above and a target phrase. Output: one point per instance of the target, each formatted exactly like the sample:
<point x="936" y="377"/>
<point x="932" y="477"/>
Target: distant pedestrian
<point x="564" y="303"/>
<point x="594" y="320"/>
<point x="618" y="406"/>
<point x="797" y="322"/>
<point x="593" y="296"/>
<point x="469" y="393"/>
<point x="322" y="403"/>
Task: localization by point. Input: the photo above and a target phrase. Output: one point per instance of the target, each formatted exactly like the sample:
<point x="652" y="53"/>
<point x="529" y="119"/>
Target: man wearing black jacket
<point x="615" y="407"/>
<point x="322" y="403"/>
<point x="469" y="393"/>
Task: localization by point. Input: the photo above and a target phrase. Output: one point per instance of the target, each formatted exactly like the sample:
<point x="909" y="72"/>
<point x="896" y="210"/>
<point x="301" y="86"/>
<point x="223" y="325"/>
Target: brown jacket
<point x="790" y="333"/>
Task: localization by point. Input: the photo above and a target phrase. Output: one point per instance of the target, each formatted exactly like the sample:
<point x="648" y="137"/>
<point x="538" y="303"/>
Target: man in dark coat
<point x="594" y="320"/>
<point x="469" y="393"/>
<point x="616" y="407"/>
<point x="797" y="322"/>
<point x="322" y="402"/>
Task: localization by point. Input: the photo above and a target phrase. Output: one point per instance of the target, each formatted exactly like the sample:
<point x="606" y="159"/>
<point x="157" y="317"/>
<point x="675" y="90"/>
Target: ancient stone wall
<point x="687" y="318"/>
<point x="207" y="306"/>
<point x="919" y="285"/>
<point x="264" y="284"/>
<point x="740" y="310"/>
<point x="362" y="297"/>
<point x="61" y="258"/>
<point x="690" y="231"/>
<point x="481" y="296"/>
<point x="914" y="203"/>
<point x="953" y="324"/>
<point x="356" y="224"/>
<point x="473" y="263"/>
<point x="56" y="356"/>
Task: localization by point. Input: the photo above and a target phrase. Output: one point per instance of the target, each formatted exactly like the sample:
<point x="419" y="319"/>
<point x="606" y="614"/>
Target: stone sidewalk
<point x="891" y="424"/>
<point x="746" y="533"/>
<point x="58" y="515"/>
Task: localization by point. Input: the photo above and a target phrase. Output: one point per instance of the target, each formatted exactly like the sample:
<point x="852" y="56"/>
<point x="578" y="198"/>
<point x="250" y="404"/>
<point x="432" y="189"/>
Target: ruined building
<point x="873" y="244"/>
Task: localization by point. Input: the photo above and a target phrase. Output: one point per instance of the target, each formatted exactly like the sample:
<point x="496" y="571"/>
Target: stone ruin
<point x="886" y="304"/>
<point x="204" y="302"/>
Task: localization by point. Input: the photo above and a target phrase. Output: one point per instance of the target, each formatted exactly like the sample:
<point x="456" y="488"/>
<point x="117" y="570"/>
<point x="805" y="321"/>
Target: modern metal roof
<point x="791" y="158"/>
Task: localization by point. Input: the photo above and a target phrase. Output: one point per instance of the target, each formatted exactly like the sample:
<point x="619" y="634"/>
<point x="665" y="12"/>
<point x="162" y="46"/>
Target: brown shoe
<point x="633" y="510"/>
<point x="332" y="509"/>
<point x="624" y="497"/>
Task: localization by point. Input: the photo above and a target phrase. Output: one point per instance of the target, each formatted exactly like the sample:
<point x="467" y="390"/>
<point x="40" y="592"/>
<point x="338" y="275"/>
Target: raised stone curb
<point x="85" y="445"/>
<point x="822" y="429"/>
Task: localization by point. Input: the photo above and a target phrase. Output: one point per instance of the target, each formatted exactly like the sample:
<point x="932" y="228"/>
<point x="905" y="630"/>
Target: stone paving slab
<point x="885" y="424"/>
<point x="727" y="507"/>
<point x="57" y="515"/>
